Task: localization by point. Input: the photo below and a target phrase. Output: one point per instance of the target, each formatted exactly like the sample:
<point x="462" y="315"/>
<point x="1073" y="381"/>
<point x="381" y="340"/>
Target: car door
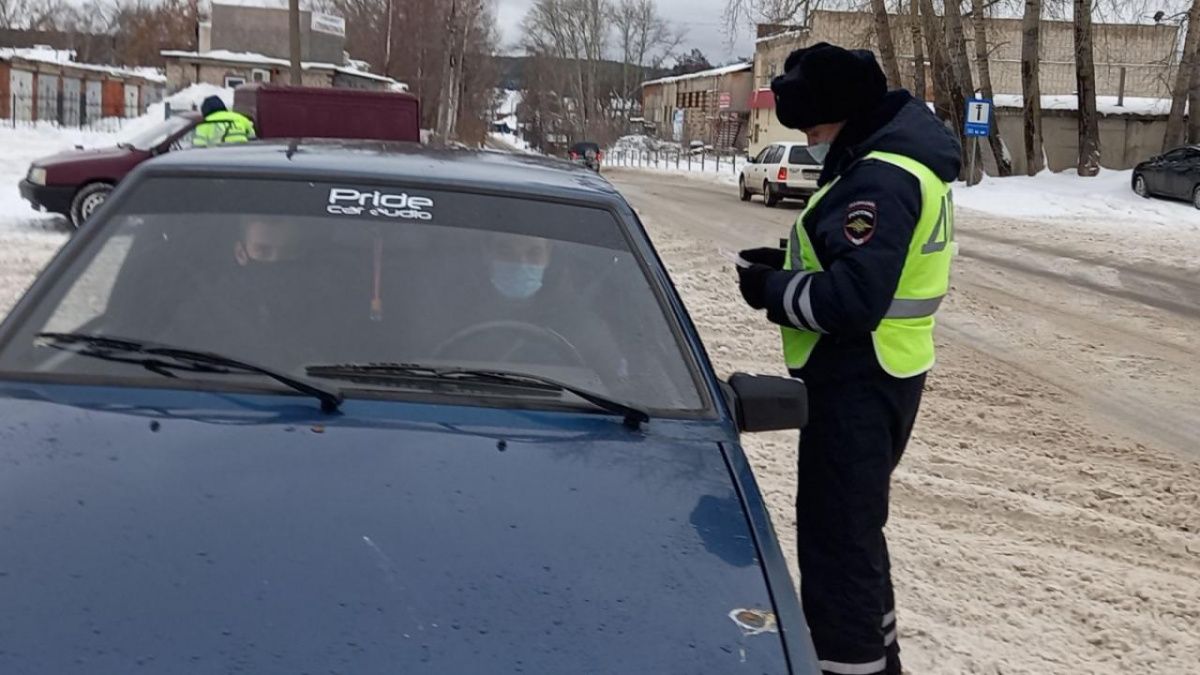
<point x="754" y="172"/>
<point x="1161" y="179"/>
<point x="774" y="161"/>
<point x="1181" y="173"/>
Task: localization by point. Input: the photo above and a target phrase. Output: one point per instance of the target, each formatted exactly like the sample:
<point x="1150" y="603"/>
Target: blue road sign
<point x="978" y="121"/>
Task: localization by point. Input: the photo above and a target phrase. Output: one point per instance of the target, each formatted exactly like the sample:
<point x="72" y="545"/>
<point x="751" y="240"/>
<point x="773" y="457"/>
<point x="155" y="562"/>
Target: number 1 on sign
<point x="979" y="113"/>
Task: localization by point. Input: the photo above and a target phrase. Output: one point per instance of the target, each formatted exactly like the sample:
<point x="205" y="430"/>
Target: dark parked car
<point x="588" y="154"/>
<point x="378" y="409"/>
<point x="1175" y="175"/>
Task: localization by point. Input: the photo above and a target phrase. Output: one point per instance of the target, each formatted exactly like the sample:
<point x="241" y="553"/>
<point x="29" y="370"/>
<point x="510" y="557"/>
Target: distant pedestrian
<point x="866" y="266"/>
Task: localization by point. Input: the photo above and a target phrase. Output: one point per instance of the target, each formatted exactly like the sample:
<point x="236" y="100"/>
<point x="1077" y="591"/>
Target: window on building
<point x="260" y="75"/>
<point x="232" y="81"/>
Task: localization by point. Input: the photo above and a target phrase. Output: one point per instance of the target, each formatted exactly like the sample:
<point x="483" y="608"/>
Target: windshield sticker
<point x="351" y="202"/>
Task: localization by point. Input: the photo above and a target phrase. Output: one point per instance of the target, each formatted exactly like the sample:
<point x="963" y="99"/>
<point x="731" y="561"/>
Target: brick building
<point x="1132" y="60"/>
<point x="711" y="106"/>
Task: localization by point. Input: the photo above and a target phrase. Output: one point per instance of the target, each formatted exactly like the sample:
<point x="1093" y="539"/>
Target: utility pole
<point x="294" y="21"/>
<point x="387" y="48"/>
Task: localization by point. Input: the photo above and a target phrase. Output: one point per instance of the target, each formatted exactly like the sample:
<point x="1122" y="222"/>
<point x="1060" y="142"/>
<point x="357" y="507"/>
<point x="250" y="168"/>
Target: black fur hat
<point x="826" y="83"/>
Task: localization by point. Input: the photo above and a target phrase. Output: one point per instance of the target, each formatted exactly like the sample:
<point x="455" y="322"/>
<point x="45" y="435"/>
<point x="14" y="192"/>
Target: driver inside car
<point x="524" y="312"/>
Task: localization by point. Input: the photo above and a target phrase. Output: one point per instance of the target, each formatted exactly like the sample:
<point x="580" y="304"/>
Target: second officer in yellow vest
<point x="855" y="292"/>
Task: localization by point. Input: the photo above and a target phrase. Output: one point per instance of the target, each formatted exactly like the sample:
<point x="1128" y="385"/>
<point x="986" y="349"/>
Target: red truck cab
<point x="76" y="182"/>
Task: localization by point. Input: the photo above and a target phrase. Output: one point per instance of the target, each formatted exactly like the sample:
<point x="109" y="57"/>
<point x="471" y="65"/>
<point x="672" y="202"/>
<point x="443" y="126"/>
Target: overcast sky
<point x="700" y="18"/>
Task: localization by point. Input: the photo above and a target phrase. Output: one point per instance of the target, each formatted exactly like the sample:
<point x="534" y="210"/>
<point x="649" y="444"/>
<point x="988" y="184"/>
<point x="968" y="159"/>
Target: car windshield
<point x="800" y="155"/>
<point x="156" y="135"/>
<point x="290" y="275"/>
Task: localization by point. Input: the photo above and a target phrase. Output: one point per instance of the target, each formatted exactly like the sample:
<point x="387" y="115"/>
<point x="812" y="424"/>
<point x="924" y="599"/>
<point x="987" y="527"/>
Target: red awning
<point x="762" y="99"/>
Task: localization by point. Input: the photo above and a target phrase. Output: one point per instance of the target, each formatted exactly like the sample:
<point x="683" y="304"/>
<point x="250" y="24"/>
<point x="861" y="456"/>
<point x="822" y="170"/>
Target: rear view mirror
<point x="768" y="403"/>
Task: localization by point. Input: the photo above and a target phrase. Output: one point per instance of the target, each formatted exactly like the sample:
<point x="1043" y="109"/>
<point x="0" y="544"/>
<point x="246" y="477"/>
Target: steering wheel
<point x="525" y="333"/>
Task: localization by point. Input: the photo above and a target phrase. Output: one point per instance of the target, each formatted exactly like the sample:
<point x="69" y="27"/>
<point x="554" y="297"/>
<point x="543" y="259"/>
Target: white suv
<point x="780" y="171"/>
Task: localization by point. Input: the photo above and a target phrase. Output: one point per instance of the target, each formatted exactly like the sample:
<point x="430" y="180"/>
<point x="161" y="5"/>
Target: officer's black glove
<point x="752" y="281"/>
<point x="771" y="257"/>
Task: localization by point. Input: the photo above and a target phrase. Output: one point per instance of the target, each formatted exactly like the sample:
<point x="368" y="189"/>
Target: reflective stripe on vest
<point x="904" y="338"/>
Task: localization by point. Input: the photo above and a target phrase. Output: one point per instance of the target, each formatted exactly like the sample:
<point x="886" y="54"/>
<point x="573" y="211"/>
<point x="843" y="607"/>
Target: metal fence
<point x="708" y="161"/>
<point x="80" y="112"/>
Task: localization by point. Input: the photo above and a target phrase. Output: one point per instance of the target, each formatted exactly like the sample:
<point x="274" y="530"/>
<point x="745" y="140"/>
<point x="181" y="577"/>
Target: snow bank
<point x="641" y="143"/>
<point x="1106" y="200"/>
<point x="19" y="147"/>
<point x="193" y="96"/>
<point x="513" y="141"/>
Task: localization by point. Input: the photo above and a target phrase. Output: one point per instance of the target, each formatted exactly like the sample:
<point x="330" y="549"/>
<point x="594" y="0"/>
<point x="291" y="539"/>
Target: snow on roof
<point x="254" y="59"/>
<point x="779" y="36"/>
<point x="1105" y="105"/>
<point x="305" y="5"/>
<point x="66" y="58"/>
<point x="715" y="72"/>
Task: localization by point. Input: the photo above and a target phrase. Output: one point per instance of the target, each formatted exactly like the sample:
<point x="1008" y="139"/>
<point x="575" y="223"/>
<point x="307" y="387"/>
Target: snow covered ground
<point x="1106" y="199"/>
<point x="647" y="153"/>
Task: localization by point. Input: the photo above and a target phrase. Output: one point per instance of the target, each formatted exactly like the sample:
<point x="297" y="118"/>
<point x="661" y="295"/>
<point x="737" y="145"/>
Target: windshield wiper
<point x="384" y="373"/>
<point x="166" y="360"/>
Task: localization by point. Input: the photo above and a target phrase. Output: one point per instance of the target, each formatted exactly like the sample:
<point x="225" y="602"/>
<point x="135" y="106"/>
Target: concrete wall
<point x="264" y="30"/>
<point x="181" y="74"/>
<point x="1124" y="140"/>
<point x="1146" y="52"/>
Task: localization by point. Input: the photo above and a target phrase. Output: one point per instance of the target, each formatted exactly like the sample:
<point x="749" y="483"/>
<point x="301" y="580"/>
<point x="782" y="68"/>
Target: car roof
<point x="411" y="163"/>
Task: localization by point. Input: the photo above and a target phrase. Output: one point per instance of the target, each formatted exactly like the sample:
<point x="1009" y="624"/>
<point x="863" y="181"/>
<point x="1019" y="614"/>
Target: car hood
<point x="86" y="155"/>
<point x="203" y="532"/>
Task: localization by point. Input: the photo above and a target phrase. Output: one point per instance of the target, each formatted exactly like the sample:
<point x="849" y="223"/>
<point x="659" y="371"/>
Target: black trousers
<point x="858" y="427"/>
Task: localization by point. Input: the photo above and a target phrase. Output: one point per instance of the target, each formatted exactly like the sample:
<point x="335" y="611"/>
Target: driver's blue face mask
<point x="517" y="281"/>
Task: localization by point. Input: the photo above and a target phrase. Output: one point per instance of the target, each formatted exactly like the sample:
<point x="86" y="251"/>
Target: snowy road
<point x="1046" y="517"/>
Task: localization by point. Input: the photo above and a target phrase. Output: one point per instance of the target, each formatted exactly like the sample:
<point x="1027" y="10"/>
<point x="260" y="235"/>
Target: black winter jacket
<point x="861" y="230"/>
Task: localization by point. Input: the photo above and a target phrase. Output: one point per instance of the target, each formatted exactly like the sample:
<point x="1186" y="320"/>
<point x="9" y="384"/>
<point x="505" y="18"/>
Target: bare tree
<point x="982" y="58"/>
<point x="918" y="49"/>
<point x="1030" y="88"/>
<point x="575" y="32"/>
<point x="1183" y="79"/>
<point x="1085" y="79"/>
<point x="645" y="39"/>
<point x="887" y="49"/>
<point x="410" y="40"/>
<point x="949" y="101"/>
<point x="34" y="14"/>
<point x="739" y="12"/>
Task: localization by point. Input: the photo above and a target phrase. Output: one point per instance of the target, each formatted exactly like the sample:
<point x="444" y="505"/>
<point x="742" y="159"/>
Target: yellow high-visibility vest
<point x="903" y="340"/>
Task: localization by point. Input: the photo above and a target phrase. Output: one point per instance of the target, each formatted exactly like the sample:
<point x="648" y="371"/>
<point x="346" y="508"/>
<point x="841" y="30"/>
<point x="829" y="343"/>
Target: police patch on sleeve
<point x="860" y="222"/>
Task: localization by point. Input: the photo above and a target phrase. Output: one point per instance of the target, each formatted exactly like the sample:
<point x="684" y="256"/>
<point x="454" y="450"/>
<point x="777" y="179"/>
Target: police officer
<point x="855" y="291"/>
<point x="221" y="125"/>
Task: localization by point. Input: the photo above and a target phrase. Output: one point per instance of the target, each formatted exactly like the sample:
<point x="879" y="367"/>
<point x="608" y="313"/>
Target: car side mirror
<point x="767" y="403"/>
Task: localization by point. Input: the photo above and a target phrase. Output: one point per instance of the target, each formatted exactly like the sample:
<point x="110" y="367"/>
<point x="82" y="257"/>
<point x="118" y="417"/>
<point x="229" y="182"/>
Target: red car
<point x="76" y="182"/>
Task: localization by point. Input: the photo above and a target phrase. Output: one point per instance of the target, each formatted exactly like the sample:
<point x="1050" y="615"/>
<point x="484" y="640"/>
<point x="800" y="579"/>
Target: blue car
<point x="366" y="409"/>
